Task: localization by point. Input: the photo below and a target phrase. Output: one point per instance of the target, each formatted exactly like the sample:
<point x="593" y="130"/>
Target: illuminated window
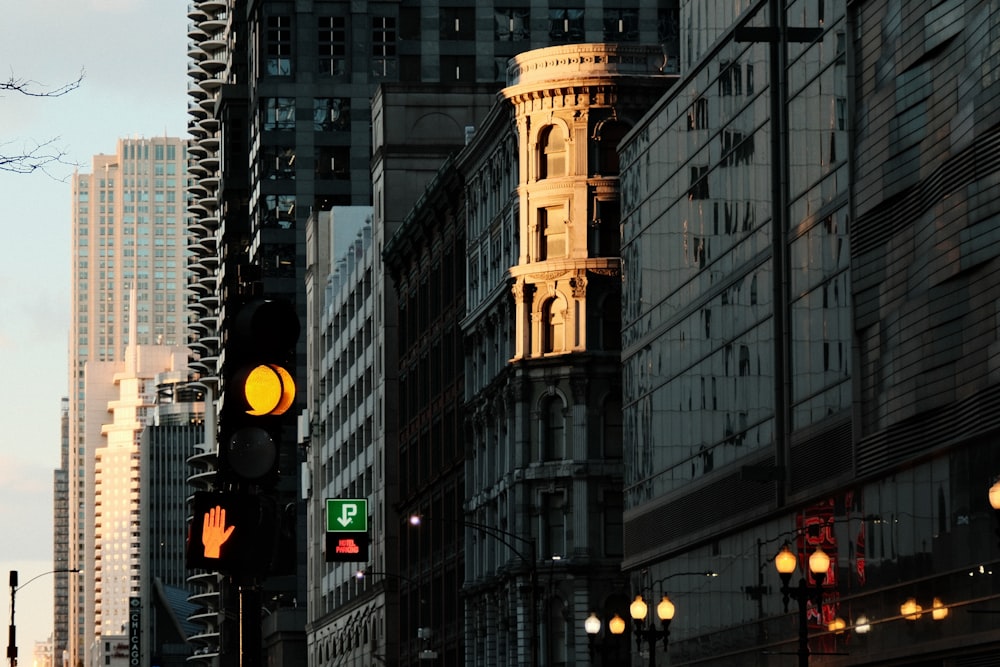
<point x="553" y="328"/>
<point x="552" y="152"/>
<point x="552" y="233"/>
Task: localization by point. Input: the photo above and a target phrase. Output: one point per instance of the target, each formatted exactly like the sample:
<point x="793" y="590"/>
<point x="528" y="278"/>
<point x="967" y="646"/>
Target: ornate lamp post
<point x="819" y="564"/>
<point x="612" y="644"/>
<point x="664" y="611"/>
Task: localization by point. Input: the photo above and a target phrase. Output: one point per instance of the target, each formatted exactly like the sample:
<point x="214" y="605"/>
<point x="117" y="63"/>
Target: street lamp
<point x="14" y="588"/>
<point x="616" y="627"/>
<point x="819" y="564"/>
<point x="664" y="611"/>
<point x="530" y="560"/>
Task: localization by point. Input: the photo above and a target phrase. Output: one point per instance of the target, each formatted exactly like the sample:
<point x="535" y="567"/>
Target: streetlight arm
<point x="14" y="588"/>
<point x="38" y="576"/>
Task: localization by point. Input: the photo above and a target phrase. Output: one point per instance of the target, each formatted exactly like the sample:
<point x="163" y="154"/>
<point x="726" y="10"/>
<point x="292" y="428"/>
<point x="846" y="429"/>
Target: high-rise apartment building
<point x="60" y="543"/>
<point x="117" y="567"/>
<point x="158" y="617"/>
<point x="128" y="247"/>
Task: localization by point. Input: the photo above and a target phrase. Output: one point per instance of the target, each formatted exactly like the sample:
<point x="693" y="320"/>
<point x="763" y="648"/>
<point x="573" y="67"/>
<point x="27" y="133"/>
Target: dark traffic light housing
<point x="258" y="392"/>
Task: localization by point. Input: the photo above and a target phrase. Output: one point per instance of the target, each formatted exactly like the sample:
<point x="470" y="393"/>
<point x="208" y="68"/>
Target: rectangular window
<point x="566" y="25"/>
<point x="279" y="45"/>
<point x="621" y="25"/>
<point x="552" y="225"/>
<point x="614" y="530"/>
<point x="331" y="40"/>
<point x="554" y="516"/>
<point x="511" y="24"/>
<point x="280" y="211"/>
<point x="333" y="163"/>
<point x="278" y="163"/>
<point x="279" y="113"/>
<point x="698" y="115"/>
<point x="458" y="23"/>
<point x="699" y="183"/>
<point x="384" y="47"/>
<point x="458" y="68"/>
<point x="730" y="78"/>
<point x="331" y="114"/>
<point x="668" y="34"/>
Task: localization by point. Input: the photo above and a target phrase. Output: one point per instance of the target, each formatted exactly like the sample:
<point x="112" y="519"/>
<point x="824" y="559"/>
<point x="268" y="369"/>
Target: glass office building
<point x="809" y="309"/>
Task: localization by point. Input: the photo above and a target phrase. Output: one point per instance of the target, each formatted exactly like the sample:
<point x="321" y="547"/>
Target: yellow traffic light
<point x="268" y="390"/>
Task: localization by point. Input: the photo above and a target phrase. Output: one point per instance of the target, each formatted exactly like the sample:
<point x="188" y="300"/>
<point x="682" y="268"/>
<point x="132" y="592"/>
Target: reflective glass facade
<point x="723" y="299"/>
<point x="809" y="313"/>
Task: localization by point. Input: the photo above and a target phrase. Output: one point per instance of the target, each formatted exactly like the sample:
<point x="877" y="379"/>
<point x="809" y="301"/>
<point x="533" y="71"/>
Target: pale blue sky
<point x="133" y="54"/>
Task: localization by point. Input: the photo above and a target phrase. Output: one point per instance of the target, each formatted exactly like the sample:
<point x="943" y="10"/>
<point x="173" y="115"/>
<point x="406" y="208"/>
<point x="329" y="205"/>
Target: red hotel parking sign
<point x="346" y="530"/>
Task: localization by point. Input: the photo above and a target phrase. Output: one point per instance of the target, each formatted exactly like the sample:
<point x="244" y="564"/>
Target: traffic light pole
<point x="251" y="638"/>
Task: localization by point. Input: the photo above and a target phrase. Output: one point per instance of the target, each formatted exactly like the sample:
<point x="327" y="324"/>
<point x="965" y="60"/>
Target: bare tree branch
<point x="34" y="156"/>
<point x="34" y="89"/>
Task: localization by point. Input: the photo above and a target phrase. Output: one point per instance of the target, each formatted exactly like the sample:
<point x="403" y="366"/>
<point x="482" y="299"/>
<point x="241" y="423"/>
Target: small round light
<point x="837" y="625"/>
<point x="995" y="495"/>
<point x="638" y="608"/>
<point x="592" y="624"/>
<point x="862" y="625"/>
<point x="665" y="610"/>
<point x="784" y="562"/>
<point x="938" y="610"/>
<point x="910" y="610"/>
<point x="616" y="625"/>
<point x="819" y="562"/>
<point x="268" y="390"/>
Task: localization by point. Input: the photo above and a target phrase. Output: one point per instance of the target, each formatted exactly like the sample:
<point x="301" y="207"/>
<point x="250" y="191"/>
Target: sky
<point x="133" y="56"/>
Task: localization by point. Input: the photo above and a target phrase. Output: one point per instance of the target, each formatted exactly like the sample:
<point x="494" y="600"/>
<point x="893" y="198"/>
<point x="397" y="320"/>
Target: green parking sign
<point x="346" y="516"/>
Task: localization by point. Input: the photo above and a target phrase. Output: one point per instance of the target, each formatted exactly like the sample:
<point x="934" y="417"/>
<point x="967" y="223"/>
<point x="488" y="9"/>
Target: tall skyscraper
<point x="128" y="244"/>
<point x="60" y="542"/>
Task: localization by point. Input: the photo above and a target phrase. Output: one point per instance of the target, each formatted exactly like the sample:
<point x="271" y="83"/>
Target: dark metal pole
<point x="12" y="630"/>
<point x="249" y="623"/>
<point x="803" y="597"/>
<point x="534" y="602"/>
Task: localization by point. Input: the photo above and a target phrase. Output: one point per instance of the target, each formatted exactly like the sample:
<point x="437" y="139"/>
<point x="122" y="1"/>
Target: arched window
<point x="553" y="327"/>
<point x="552" y="153"/>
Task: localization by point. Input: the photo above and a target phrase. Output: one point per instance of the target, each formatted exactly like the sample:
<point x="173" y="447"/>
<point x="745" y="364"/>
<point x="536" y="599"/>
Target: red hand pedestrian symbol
<point x="214" y="532"/>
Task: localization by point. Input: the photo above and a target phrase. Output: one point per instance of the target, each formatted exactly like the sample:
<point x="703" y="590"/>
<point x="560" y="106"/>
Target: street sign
<point x="346" y="516"/>
<point x="346" y="547"/>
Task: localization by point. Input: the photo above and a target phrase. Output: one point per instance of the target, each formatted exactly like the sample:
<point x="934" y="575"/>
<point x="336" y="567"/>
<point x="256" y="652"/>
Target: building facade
<point x="159" y="623"/>
<point x="543" y="509"/>
<point x="60" y="545"/>
<point x="128" y="226"/>
<point x="808" y="308"/>
<point x="424" y="260"/>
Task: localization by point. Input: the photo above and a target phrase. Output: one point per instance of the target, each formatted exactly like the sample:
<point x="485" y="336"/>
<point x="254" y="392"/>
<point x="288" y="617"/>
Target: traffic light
<point x="258" y="391"/>
<point x="233" y="532"/>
